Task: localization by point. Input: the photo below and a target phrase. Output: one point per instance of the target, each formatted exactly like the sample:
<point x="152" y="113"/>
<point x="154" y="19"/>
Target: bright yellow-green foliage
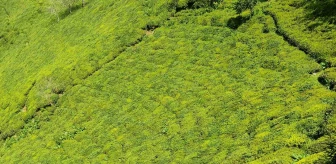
<point x="311" y="31"/>
<point x="144" y="81"/>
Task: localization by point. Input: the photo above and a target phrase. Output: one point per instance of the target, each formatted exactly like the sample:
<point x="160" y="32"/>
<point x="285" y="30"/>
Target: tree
<point x="243" y="5"/>
<point x="204" y="3"/>
<point x="68" y="3"/>
<point x="186" y="4"/>
<point x="55" y="8"/>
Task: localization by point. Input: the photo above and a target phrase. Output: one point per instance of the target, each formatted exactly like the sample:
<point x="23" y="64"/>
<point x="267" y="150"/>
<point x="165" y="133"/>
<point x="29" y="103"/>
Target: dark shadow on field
<point x="188" y="6"/>
<point x="324" y="10"/>
<point x="236" y="22"/>
<point x="194" y="4"/>
<point x="71" y="10"/>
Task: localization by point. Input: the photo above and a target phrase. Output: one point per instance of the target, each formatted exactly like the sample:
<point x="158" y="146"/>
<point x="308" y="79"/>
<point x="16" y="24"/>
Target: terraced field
<point x="166" y="82"/>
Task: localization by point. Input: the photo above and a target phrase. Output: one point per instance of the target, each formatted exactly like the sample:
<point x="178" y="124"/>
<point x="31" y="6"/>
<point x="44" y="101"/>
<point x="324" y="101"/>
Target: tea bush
<point x="165" y="82"/>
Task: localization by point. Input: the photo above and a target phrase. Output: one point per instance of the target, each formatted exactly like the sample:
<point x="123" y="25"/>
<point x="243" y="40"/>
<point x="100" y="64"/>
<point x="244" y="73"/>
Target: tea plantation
<point x="168" y="81"/>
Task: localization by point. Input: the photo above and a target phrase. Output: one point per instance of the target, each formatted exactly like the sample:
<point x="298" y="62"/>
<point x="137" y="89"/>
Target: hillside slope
<point x="165" y="82"/>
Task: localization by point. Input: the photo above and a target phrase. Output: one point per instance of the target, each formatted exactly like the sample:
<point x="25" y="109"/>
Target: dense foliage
<point x="157" y="81"/>
<point x="242" y="5"/>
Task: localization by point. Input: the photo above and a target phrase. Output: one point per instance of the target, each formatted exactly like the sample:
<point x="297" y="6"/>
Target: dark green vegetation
<point x="180" y="81"/>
